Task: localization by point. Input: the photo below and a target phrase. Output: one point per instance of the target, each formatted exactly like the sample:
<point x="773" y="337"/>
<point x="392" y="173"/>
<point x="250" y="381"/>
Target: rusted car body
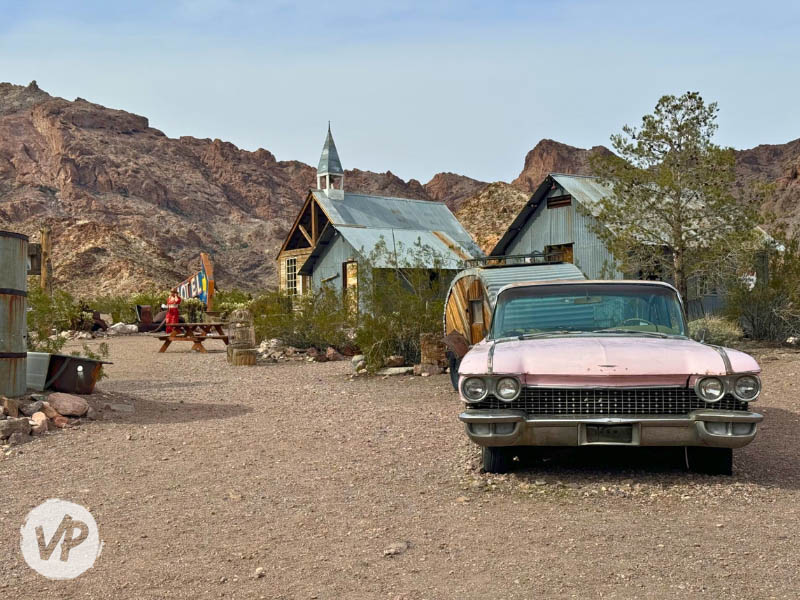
<point x="575" y="363"/>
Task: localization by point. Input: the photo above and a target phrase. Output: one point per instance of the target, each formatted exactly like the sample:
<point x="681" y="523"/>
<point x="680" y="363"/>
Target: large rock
<point x="29" y="408"/>
<point x="68" y="404"/>
<point x="11" y="426"/>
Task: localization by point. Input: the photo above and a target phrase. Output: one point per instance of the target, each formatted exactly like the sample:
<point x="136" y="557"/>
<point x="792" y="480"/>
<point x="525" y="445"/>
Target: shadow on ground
<point x="147" y="412"/>
<point x="769" y="461"/>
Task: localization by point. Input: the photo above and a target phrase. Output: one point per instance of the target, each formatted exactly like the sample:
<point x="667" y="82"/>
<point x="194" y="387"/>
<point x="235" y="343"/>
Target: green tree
<point x="671" y="210"/>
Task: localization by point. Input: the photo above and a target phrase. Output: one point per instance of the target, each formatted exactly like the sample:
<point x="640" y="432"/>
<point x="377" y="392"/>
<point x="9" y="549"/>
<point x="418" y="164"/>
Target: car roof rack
<point x="515" y="260"/>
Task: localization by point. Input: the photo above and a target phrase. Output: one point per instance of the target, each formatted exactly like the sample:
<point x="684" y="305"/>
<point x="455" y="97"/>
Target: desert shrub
<point x="233" y="296"/>
<point x="123" y="308"/>
<point x="48" y="316"/>
<point x="193" y="310"/>
<point x="720" y="332"/>
<point x="399" y="297"/>
<point x="402" y="297"/>
<point x="770" y="310"/>
<point x="318" y="319"/>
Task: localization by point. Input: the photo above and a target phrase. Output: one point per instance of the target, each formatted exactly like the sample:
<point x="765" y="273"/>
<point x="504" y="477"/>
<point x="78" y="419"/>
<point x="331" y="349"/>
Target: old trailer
<point x="473" y="292"/>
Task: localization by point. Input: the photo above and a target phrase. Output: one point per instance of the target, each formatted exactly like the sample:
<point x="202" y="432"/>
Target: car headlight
<point x="507" y="389"/>
<point x="710" y="389"/>
<point x="747" y="388"/>
<point x="474" y="389"/>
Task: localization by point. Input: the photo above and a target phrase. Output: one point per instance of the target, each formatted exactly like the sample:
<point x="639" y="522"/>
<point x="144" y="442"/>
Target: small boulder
<point x="68" y="404"/>
<point x="18" y="438"/>
<point x="30" y="408"/>
<point x="427" y="369"/>
<point x="395" y="360"/>
<point x="91" y="414"/>
<point x="332" y="354"/>
<point x="60" y="422"/>
<point x="11" y="426"/>
<point x="40" y="422"/>
<point x="396" y="371"/>
<point x="357" y="359"/>
<point x="49" y="410"/>
<point x="11" y="407"/>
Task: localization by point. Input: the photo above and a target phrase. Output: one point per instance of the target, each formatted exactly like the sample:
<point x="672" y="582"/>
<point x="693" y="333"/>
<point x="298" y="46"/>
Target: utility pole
<point x="47" y="266"/>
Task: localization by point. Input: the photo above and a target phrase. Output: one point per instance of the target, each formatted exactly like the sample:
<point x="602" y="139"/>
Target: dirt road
<point x="368" y="488"/>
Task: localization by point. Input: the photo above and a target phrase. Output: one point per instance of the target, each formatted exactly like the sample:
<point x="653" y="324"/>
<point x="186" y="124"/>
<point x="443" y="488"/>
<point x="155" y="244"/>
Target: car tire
<point x="709" y="461"/>
<point x="454" y="364"/>
<point x="497" y="459"/>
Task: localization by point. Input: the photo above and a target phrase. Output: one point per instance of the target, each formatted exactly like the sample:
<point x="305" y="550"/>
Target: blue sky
<point x="413" y="87"/>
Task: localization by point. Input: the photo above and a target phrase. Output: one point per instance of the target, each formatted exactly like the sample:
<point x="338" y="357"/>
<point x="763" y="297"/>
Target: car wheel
<point x="497" y="459"/>
<point x="710" y="461"/>
<point x="454" y="363"/>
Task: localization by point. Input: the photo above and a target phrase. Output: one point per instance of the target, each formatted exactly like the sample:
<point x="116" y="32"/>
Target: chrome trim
<point x="703" y="398"/>
<point x="604" y="387"/>
<point x="725" y="358"/>
<point x="491" y="386"/>
<point x="498" y="396"/>
<point x="649" y="430"/>
<point x="729" y="386"/>
<point x="476" y="400"/>
<point x="490" y="359"/>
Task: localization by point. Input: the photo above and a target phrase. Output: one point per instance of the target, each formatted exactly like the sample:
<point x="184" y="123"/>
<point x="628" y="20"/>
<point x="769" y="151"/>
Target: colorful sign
<point x="201" y="284"/>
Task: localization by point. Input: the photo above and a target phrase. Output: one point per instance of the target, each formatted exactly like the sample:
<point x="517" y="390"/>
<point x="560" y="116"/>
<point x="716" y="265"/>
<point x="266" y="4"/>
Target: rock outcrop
<point x="131" y="209"/>
<point x="488" y="214"/>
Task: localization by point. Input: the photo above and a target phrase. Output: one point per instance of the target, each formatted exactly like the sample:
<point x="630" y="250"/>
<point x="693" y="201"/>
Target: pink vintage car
<point x="572" y="363"/>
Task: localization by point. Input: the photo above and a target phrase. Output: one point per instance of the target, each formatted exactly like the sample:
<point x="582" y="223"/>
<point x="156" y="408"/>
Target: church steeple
<point x="330" y="174"/>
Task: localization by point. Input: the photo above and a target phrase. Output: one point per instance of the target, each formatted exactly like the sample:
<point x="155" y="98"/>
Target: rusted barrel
<point x="13" y="303"/>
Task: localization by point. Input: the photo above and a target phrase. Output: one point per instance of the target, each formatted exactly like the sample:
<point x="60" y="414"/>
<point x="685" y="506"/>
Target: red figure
<point x="173" y="302"/>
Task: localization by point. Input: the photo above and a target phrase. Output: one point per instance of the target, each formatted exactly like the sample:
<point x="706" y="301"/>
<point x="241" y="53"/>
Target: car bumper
<point x="715" y="428"/>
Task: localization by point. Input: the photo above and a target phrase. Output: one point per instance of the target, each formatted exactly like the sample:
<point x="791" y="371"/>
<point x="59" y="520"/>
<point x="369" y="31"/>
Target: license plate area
<point x="610" y="434"/>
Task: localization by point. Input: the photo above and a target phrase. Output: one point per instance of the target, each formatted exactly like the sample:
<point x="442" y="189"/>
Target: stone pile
<point x="20" y="418"/>
<point x="275" y="350"/>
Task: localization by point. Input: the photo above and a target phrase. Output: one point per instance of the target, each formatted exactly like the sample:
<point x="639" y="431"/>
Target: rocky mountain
<point x="489" y="213"/>
<point x="131" y="208"/>
<point x="779" y="165"/>
<point x="452" y="189"/>
<point x="549" y="156"/>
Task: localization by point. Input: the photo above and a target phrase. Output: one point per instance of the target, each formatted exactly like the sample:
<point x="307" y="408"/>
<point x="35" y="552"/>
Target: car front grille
<point x="638" y="401"/>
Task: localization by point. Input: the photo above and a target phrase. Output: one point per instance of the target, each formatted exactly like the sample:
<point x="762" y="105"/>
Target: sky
<point x="413" y="87"/>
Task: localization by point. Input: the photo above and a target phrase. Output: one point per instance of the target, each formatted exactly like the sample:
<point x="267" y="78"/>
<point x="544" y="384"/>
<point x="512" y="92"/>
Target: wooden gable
<point x="307" y="227"/>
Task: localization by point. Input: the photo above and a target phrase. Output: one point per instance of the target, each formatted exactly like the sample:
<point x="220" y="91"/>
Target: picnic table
<point x="197" y="333"/>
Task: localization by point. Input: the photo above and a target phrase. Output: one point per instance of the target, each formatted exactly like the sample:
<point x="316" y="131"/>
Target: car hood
<point x="606" y="358"/>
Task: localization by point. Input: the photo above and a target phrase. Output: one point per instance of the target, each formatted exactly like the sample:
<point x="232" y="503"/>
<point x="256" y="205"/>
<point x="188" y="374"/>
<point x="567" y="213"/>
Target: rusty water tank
<point x="13" y="304"/>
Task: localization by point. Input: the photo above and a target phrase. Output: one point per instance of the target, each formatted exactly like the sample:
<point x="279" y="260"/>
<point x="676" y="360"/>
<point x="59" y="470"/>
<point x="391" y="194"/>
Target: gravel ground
<point x="368" y="488"/>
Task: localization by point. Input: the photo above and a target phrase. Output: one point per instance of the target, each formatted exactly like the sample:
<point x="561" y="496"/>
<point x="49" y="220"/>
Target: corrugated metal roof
<point x="329" y="159"/>
<point x="589" y="191"/>
<point x="495" y="278"/>
<point x="385" y="213"/>
<point x="431" y="249"/>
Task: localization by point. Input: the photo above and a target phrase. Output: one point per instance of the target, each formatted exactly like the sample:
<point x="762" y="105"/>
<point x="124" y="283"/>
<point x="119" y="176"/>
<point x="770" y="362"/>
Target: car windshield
<point x="622" y="309"/>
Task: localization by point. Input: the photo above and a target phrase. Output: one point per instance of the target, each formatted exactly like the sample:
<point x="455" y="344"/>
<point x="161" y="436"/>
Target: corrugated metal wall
<point x="330" y="263"/>
<point x="566" y="225"/>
